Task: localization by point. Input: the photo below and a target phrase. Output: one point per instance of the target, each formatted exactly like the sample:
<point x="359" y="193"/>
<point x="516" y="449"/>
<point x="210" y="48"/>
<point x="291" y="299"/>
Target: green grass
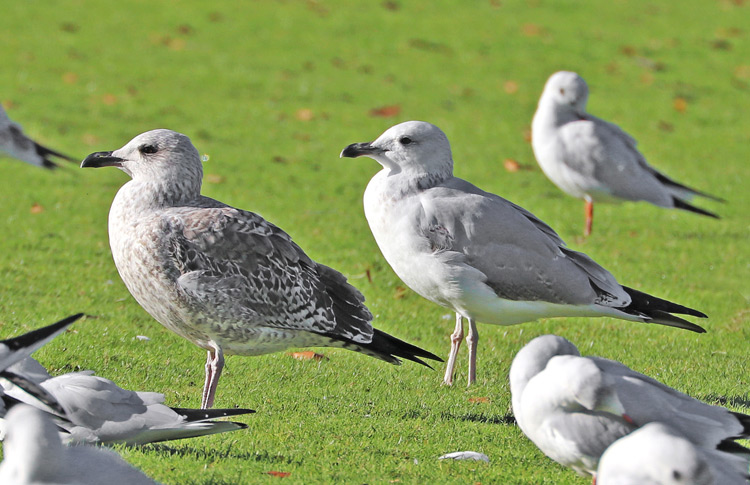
<point x="88" y="76"/>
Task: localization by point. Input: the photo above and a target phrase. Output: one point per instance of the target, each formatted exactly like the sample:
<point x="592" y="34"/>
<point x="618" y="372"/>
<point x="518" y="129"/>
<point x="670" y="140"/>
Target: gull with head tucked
<point x="224" y="278"/>
<point x="478" y="254"/>
<point x="594" y="160"/>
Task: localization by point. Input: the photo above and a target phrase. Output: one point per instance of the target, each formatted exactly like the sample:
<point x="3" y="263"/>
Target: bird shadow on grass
<point x="214" y="454"/>
<point x="736" y="401"/>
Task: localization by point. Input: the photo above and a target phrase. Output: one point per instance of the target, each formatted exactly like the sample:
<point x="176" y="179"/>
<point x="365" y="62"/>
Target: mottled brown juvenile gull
<point x="99" y="411"/>
<point x="34" y="455"/>
<point x="224" y="278"/>
<point x="594" y="160"/>
<point x="474" y="252"/>
<point x="15" y="143"/>
<point x="574" y="407"/>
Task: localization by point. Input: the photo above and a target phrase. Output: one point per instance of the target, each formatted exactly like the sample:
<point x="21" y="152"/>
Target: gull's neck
<point x="149" y="194"/>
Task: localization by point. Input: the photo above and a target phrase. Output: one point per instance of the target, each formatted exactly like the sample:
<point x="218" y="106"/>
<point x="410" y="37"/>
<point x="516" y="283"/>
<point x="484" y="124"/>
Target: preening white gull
<point x="99" y="411"/>
<point x="474" y="252"/>
<point x="34" y="455"/>
<point x="225" y="278"/>
<point x="15" y="143"/>
<point x="657" y="455"/>
<point x="594" y="160"/>
<point x="574" y="407"/>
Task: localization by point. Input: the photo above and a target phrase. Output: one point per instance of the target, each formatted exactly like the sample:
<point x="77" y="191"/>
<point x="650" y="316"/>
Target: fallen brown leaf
<point x="214" y="178"/>
<point x="70" y="78"/>
<point x="510" y="87"/>
<point x="307" y="355"/>
<point x="386" y="111"/>
<point x="680" y="104"/>
<point x="37" y="208"/>
<point x="511" y="165"/>
<point x="279" y="474"/>
<point x="476" y="400"/>
<point x="399" y="293"/>
<point x="304" y="114"/>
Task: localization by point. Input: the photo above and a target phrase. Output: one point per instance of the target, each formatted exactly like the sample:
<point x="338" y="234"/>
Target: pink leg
<point x="456" y="337"/>
<point x="589" y="217"/>
<point x="472" y="339"/>
<point x="214" y="365"/>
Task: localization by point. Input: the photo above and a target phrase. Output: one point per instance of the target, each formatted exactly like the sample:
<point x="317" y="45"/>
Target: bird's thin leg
<point x="214" y="365"/>
<point x="456" y="337"/>
<point x="472" y="339"/>
<point x="589" y="208"/>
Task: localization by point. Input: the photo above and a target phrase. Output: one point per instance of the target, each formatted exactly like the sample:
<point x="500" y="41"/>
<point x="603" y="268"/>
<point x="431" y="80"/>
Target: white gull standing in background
<point x="574" y="407"/>
<point x="34" y="455"/>
<point x="224" y="278"/>
<point x="594" y="160"/>
<point x="657" y="455"/>
<point x="15" y="143"/>
<point x="99" y="411"/>
<point x="478" y="254"/>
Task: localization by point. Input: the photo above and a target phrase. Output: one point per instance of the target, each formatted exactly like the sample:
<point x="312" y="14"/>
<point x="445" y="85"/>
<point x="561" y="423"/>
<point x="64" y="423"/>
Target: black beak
<point x="101" y="159"/>
<point x="359" y="149"/>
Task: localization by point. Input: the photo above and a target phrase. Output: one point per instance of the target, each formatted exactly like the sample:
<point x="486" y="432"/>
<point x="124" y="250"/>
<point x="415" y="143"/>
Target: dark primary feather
<point x="41" y="334"/>
<point x="669" y="182"/>
<point x="659" y="310"/>
<point x="681" y="204"/>
<point x="196" y="415"/>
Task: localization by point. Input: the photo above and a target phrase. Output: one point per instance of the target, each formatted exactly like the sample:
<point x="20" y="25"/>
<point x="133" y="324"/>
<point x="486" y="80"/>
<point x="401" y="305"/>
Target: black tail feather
<point x="45" y="153"/>
<point x="681" y="204"/>
<point x="660" y="311"/>
<point x="195" y="415"/>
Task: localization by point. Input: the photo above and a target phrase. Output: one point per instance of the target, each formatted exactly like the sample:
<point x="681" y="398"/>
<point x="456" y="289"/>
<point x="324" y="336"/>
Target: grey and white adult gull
<point x="478" y="254"/>
<point x="15" y="143"/>
<point x="574" y="407"/>
<point x="34" y="455"/>
<point x="224" y="278"/>
<point x="657" y="455"/>
<point x="594" y="160"/>
<point x="98" y="411"/>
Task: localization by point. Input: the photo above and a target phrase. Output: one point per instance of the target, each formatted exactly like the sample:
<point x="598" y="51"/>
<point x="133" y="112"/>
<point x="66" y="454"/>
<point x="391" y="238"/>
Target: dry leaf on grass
<point x="307" y="355"/>
<point x="37" y="208"/>
<point x="476" y="400"/>
<point x="279" y="474"/>
<point x="386" y="111"/>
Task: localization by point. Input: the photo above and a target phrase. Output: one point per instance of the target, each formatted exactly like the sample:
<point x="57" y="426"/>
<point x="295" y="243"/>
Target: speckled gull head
<point x="154" y="155"/>
<point x="413" y="147"/>
<point x="566" y="88"/>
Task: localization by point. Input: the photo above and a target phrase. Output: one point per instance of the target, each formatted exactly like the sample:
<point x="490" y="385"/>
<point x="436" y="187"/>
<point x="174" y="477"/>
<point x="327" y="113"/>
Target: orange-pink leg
<point x="472" y="339"/>
<point x="214" y="365"/>
<point x="456" y="337"/>
<point x="589" y="217"/>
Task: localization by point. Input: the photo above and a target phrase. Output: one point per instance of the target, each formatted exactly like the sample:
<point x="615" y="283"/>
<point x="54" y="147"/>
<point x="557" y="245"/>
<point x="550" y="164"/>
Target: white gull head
<point x="566" y="91"/>
<point x="414" y="148"/>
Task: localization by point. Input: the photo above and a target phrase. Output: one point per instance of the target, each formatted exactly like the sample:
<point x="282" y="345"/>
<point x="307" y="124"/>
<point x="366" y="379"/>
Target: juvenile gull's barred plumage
<point x="574" y="407"/>
<point x="478" y="254"/>
<point x="224" y="278"/>
<point x="15" y="143"/>
<point x="595" y="160"/>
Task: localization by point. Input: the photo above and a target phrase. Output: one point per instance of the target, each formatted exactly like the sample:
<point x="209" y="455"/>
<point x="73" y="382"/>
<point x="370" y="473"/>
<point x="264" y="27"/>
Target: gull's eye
<point x="404" y="140"/>
<point x="148" y="149"/>
<point x="562" y="91"/>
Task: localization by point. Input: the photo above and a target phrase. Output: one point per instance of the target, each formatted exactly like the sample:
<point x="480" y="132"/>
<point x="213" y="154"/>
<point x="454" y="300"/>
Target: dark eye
<point x="148" y="149"/>
<point x="562" y="91"/>
<point x="405" y="140"/>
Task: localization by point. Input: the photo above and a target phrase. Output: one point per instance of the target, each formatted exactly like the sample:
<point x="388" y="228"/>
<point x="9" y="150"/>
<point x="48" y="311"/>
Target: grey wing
<point x="645" y="400"/>
<point x="521" y="256"/>
<point x="609" y="162"/>
<point x="237" y="267"/>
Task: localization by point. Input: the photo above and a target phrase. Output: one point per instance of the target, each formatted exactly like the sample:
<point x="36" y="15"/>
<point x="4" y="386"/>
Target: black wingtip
<point x="35" y="390"/>
<point x="194" y="415"/>
<point x="28" y="339"/>
<point x="46" y="152"/>
<point x="388" y="344"/>
<point x="660" y="311"/>
<point x="681" y="204"/>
